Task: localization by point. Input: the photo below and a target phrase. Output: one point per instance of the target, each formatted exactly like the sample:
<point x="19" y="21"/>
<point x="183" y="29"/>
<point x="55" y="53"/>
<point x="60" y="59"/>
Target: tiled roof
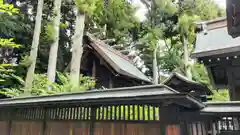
<point x="183" y="84"/>
<point x="215" y="42"/>
<point x="118" y="61"/>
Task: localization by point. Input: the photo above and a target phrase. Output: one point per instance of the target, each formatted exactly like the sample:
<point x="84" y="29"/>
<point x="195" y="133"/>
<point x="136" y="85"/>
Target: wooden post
<point x="94" y="69"/>
<point x="232" y="92"/>
<point x="9" y="122"/>
<point x="213" y="126"/>
<point x="70" y="129"/>
<point x="184" y="128"/>
<point x="9" y="127"/>
<point x="168" y="115"/>
<point x="110" y="81"/>
<point x="231" y="84"/>
<point x="92" y="119"/>
<point x="44" y="124"/>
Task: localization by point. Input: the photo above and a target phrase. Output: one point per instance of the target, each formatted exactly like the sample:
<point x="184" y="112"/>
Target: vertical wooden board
<point x="16" y="128"/>
<point x="13" y="128"/>
<point x="142" y="130"/>
<point x="118" y="128"/>
<point x="150" y="128"/>
<point x="35" y="128"/>
<point x="177" y="130"/>
<point x="122" y="128"/>
<point x="154" y="129"/>
<point x="57" y="128"/>
<point x="107" y="128"/>
<point x="113" y="128"/>
<point x="173" y="130"/>
<point x="135" y="129"/>
<point x="26" y="128"/>
<point x="169" y="130"/>
<point x="194" y="129"/>
<point x="129" y="129"/>
<point x="204" y="129"/>
<point x="97" y="128"/>
<point x="4" y="127"/>
<point x="80" y="128"/>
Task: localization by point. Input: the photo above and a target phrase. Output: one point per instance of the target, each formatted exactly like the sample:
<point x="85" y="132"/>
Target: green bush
<point x="41" y="86"/>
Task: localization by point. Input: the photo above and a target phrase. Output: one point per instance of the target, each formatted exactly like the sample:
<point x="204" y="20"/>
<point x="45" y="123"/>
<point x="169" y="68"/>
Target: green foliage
<point x="86" y="6"/>
<point x="63" y="25"/>
<point x="221" y="95"/>
<point x="186" y="23"/>
<point x="206" y="9"/>
<point x="41" y="86"/>
<point x="9" y="43"/>
<point x="200" y="75"/>
<point x="118" y="12"/>
<point x="49" y="31"/>
<point x="171" y="61"/>
<point x="12" y="85"/>
<point x="7" y="8"/>
<point x="175" y="20"/>
<point x="8" y="77"/>
<point x="151" y="38"/>
<point x="154" y="30"/>
<point x="7" y="70"/>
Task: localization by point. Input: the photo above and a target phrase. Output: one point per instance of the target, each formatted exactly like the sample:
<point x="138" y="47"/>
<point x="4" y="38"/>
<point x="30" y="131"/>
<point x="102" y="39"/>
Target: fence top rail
<point x="222" y="108"/>
<point x="128" y="95"/>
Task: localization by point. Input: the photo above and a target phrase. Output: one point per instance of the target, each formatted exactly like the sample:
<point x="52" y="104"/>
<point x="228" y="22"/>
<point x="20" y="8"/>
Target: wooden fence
<point x="83" y="128"/>
<point x="85" y="120"/>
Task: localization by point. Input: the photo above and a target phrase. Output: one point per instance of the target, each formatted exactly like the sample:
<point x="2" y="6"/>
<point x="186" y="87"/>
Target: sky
<point x="142" y="10"/>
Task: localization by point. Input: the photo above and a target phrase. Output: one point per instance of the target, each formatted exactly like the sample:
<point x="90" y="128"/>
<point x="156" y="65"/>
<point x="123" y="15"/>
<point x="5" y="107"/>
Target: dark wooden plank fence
<point x="83" y="128"/>
<point x="84" y="120"/>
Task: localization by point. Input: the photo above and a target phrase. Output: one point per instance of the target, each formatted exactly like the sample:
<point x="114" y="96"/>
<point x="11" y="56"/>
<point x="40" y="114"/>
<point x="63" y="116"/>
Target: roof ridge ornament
<point x="204" y="28"/>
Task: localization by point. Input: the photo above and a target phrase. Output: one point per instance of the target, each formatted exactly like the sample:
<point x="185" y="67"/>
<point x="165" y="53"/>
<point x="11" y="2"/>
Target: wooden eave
<point x="183" y="81"/>
<point x="230" y="51"/>
<point x="221" y="108"/>
<point x="152" y="94"/>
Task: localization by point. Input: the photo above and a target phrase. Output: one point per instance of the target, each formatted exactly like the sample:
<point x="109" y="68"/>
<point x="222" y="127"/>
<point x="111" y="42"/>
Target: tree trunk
<point x="52" y="61"/>
<point x="155" y="66"/>
<point x="186" y="58"/>
<point x="34" y="48"/>
<point x="77" y="49"/>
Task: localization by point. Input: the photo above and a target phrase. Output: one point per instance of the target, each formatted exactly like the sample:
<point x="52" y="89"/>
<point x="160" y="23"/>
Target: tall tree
<point x="83" y="8"/>
<point x="186" y="30"/>
<point x="35" y="43"/>
<point x="52" y="61"/>
<point x="154" y="32"/>
<point x="176" y="21"/>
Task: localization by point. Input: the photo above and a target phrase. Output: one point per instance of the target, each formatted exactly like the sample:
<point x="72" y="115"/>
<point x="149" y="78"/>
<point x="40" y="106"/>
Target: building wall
<point x="105" y="76"/>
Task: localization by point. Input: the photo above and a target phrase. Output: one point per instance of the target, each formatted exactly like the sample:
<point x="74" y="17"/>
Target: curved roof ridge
<point x="110" y="48"/>
<point x="191" y="82"/>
